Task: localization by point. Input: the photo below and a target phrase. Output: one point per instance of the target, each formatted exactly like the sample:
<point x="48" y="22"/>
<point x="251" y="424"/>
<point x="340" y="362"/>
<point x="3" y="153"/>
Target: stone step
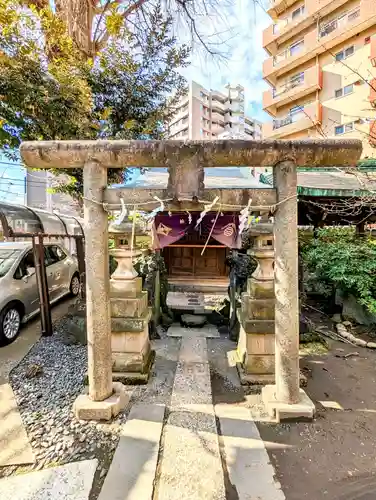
<point x="133" y="468"/>
<point x="196" y="303"/>
<point x="197" y="286"/>
<point x="207" y="331"/>
<point x="67" y="482"/>
<point x="247" y="461"/>
<point x="15" y="448"/>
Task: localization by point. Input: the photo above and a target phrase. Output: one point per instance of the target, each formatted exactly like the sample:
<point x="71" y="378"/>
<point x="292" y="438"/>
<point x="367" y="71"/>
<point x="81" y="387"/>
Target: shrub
<point x="338" y="259"/>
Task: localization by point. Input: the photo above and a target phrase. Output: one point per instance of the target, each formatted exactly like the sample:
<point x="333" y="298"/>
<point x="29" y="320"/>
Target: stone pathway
<point x="187" y="448"/>
<point x="68" y="482"/>
<point x="15" y="448"/>
<point x="132" y="472"/>
<point x="247" y="462"/>
<point x="191" y="464"/>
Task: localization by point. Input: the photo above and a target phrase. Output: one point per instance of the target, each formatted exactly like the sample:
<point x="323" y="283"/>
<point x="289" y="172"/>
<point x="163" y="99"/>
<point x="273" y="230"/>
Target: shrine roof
<point x="336" y="183"/>
<point x="225" y="178"/>
<point x="333" y="182"/>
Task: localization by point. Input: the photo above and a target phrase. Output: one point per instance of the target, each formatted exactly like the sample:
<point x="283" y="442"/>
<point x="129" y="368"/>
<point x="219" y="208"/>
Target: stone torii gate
<point x="185" y="162"/>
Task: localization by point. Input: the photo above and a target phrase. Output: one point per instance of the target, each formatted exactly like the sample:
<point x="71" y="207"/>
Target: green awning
<point x="266" y="179"/>
<point x="367" y="163"/>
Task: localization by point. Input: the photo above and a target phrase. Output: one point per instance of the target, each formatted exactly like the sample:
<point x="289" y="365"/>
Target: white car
<point x="19" y="299"/>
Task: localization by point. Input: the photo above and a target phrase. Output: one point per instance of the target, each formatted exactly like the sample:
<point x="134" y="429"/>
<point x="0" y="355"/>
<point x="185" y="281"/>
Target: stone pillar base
<point x="140" y="376"/>
<point x="256" y="351"/>
<point x="279" y="411"/>
<point x="261" y="379"/>
<point x="256" y="379"/>
<point x="86" y="409"/>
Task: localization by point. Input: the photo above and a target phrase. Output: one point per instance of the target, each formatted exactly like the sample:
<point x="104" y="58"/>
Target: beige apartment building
<point x="322" y="70"/>
<point x="209" y="114"/>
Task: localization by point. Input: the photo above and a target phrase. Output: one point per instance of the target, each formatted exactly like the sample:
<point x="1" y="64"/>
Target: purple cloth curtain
<point x="168" y="229"/>
<point x="225" y="229"/>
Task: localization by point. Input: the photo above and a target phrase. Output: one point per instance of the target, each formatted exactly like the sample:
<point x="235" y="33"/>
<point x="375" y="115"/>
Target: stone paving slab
<point x="15" y="448"/>
<point x="193" y="350"/>
<point x="191" y="466"/>
<point x="207" y="331"/>
<point x="68" y="482"/>
<point x="191" y="385"/>
<point x="132" y="471"/>
<point x="247" y="461"/>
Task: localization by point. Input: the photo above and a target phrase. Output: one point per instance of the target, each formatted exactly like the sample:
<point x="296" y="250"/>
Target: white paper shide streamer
<point x="206" y="210"/>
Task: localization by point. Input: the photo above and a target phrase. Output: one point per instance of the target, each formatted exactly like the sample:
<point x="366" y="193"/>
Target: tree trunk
<point x="78" y="16"/>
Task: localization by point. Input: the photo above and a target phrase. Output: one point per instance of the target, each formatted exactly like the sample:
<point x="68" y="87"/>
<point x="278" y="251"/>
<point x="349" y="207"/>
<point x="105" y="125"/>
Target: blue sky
<point x="11" y="181"/>
<point x="245" y="55"/>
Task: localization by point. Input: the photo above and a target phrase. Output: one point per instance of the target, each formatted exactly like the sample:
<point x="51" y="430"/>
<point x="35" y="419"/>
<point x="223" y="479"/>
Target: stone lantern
<point x="256" y="346"/>
<point x="130" y="315"/>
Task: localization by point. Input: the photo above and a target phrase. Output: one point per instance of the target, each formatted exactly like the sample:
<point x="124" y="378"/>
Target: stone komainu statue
<point x="147" y="267"/>
<point x="241" y="268"/>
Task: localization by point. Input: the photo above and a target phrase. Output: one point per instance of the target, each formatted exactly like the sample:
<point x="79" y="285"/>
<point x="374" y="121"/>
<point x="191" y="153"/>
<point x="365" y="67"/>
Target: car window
<point x="8" y="257"/>
<point x="27" y="266"/>
<point x="54" y="254"/>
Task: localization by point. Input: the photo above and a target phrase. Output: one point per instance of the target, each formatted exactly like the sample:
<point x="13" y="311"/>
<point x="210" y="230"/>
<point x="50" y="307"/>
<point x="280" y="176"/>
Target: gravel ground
<point x="45" y="402"/>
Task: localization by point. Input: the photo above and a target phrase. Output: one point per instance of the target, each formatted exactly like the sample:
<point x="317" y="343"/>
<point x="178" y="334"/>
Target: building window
<point x="342" y="129"/>
<point x="298" y="12"/>
<point x="348" y="89"/>
<point x="296" y="48"/>
<point x="345" y="53"/>
<point x="296" y="109"/>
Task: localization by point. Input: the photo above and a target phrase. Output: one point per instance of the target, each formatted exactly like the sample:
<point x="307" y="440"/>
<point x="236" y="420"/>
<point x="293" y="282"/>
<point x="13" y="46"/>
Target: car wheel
<point x="10" y="324"/>
<point x="75" y="285"/>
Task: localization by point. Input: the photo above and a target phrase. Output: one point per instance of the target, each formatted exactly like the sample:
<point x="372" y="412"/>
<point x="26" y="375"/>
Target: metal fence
<point x="21" y="223"/>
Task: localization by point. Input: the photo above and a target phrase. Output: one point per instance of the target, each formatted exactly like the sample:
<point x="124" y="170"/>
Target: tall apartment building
<point x="322" y="70"/>
<point x="208" y="114"/>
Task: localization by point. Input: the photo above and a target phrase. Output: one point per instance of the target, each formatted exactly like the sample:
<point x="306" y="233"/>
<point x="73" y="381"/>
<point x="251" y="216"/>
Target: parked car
<point x="19" y="299"/>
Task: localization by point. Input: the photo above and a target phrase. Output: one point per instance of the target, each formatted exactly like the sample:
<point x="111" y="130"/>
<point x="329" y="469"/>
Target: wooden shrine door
<point x="188" y="262"/>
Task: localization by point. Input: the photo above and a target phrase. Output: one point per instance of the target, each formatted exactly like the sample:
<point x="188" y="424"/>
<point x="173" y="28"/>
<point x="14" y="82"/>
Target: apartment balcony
<point x="372" y="133"/>
<point x="181" y="113"/>
<point x="217" y="129"/>
<point x="276" y="7"/>
<point x="218" y="106"/>
<point x="178" y="126"/>
<point x="309" y="117"/>
<point x="216" y="94"/>
<point x="305" y="83"/>
<point x="284" y="29"/>
<point x="217" y="117"/>
<point x="319" y="40"/>
<point x="373" y="51"/>
<point x="372" y="93"/>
